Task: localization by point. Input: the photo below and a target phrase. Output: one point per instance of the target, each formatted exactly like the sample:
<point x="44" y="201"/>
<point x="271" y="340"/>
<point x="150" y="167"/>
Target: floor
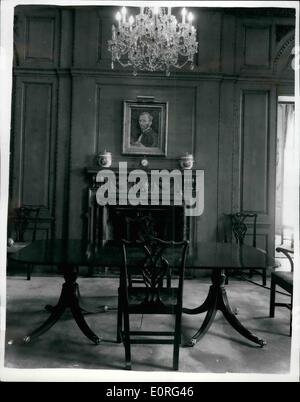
<point x="220" y="351"/>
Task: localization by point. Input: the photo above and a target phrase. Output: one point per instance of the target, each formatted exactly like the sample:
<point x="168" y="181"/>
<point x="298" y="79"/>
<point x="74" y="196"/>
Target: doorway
<point x="286" y="190"/>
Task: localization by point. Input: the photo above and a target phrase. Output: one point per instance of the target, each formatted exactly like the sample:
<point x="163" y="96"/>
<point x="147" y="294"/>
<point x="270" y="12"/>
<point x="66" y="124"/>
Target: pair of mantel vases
<point x="186" y="161"/>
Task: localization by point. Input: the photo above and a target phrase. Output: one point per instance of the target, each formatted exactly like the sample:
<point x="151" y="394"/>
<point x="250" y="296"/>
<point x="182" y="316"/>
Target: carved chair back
<point x="240" y="223"/>
<point x="149" y="260"/>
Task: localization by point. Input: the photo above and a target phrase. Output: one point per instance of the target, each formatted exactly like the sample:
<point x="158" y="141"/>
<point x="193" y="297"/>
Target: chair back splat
<point x="30" y="220"/>
<point x="240" y="223"/>
<point x="238" y="226"/>
<point x="151" y="261"/>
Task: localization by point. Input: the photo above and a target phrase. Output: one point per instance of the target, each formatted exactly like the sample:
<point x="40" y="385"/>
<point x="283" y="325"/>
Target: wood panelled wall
<point x="68" y="106"/>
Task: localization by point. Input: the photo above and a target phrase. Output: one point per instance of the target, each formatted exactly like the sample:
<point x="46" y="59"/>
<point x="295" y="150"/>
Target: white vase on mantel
<point x="105" y="159"/>
<point x="186" y="161"/>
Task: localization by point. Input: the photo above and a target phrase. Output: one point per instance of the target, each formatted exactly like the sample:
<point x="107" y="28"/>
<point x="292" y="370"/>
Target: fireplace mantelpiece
<point x="160" y="216"/>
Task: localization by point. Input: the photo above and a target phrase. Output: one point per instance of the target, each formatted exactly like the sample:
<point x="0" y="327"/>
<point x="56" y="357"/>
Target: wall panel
<point x="92" y="26"/>
<point x="255" y="151"/>
<point x="34" y="140"/>
<point x="225" y="150"/>
<point x="37" y="37"/>
<point x="255" y="44"/>
<point x="206" y="156"/>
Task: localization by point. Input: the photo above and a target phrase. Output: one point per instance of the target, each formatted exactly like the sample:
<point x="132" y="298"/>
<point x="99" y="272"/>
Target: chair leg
<point x="177" y="342"/>
<point x="264" y="277"/>
<point x="169" y="278"/>
<point x="291" y="315"/>
<point x="126" y="340"/>
<point x="227" y="276"/>
<point x="272" y="298"/>
<point x="119" y="321"/>
<point x="29" y="270"/>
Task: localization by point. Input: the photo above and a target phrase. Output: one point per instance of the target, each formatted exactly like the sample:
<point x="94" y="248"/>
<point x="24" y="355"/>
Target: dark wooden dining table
<point x="69" y="255"/>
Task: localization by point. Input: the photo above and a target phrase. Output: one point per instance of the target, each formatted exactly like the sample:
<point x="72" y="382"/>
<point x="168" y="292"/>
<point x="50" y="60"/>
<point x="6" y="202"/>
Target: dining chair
<point x="242" y="224"/>
<point x="150" y="260"/>
<point x="30" y="221"/>
<point x="283" y="279"/>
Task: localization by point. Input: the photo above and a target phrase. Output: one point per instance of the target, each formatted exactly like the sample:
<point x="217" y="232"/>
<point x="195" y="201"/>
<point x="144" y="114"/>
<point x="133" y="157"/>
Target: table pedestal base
<point x="217" y="300"/>
<point x="68" y="299"/>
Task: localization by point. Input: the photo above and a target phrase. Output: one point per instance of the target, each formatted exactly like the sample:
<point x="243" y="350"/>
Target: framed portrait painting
<point x="145" y="128"/>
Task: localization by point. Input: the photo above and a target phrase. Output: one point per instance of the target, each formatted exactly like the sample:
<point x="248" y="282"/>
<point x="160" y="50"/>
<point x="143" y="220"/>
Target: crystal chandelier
<point x="153" y="40"/>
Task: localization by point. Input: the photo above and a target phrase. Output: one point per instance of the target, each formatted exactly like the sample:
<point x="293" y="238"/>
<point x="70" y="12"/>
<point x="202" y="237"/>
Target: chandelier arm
<point x="124" y="64"/>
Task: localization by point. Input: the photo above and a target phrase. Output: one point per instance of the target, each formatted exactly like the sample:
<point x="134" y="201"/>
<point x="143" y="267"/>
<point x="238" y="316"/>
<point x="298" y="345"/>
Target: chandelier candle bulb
<point x="118" y="18"/>
<point x="123" y="15"/>
<point x="183" y="15"/>
<point x="155" y="12"/>
<point x="131" y="21"/>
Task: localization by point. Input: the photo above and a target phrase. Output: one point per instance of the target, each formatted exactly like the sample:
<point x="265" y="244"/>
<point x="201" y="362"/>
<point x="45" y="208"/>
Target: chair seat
<point x="284" y="279"/>
<point x="163" y="302"/>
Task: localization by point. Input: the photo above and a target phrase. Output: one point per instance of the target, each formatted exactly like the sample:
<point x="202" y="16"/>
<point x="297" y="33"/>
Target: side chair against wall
<point x="31" y="222"/>
<point x="283" y="279"/>
<point x="236" y="227"/>
<point x="151" y="259"/>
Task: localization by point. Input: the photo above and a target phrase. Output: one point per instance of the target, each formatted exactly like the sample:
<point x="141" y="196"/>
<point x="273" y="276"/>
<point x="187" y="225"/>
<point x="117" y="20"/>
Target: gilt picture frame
<point x="145" y="127"/>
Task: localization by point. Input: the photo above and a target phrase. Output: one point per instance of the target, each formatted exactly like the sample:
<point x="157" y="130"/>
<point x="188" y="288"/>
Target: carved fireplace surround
<point x="114" y="222"/>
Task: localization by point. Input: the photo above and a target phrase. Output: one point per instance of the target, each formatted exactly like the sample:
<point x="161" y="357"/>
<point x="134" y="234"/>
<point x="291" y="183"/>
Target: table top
<point x="17" y="246"/>
<point x="200" y="255"/>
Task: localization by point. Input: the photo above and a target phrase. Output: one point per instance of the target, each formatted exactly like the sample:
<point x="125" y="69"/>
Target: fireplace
<point x="162" y="218"/>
